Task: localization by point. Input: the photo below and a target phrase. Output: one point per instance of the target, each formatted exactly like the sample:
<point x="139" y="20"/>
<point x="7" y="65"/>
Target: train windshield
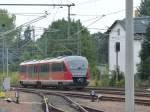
<point x="78" y="67"/>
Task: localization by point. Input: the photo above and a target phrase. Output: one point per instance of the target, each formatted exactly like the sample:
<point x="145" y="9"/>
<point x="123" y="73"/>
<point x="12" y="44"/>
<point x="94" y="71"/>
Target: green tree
<point x="29" y="49"/>
<point x="144" y="69"/>
<point x="101" y="41"/>
<point x="144" y="66"/>
<point x="24" y="48"/>
<point x="54" y="41"/>
<point x="144" y="9"/>
<point x="7" y="23"/>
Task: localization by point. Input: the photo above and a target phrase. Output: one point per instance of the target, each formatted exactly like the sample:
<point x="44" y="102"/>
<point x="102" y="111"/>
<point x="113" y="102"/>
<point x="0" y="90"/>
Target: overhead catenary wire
<point x="99" y="15"/>
<point x="110" y="13"/>
<point x="25" y="24"/>
<point x="87" y="2"/>
<point x="99" y="18"/>
<point x="55" y="13"/>
<point x="29" y="14"/>
<point x="19" y="4"/>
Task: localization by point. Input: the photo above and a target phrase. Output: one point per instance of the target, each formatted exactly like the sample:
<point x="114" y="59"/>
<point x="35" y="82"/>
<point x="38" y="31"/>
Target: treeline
<point x="22" y="43"/>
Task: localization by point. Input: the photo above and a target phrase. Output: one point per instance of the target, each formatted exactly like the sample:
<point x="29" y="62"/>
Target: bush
<point x="95" y="73"/>
<point x="14" y="78"/>
<point x="117" y="79"/>
<point x="120" y="83"/>
<point x="104" y="82"/>
<point x="93" y="83"/>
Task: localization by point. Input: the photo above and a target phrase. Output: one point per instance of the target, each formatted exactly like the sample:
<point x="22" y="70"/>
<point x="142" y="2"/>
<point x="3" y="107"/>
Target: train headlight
<point x="80" y="80"/>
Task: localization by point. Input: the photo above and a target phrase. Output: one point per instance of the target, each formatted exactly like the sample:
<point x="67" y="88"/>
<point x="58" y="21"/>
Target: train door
<point x="32" y="72"/>
<point x="23" y="72"/>
<point x="58" y="71"/>
<point x="44" y="71"/>
<point x="50" y="73"/>
<point x="38" y="70"/>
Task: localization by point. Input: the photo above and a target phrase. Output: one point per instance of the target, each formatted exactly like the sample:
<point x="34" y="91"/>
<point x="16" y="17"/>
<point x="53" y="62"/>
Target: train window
<point x="45" y="68"/>
<point x="32" y="70"/>
<point x="58" y="67"/>
<point x="23" y="68"/>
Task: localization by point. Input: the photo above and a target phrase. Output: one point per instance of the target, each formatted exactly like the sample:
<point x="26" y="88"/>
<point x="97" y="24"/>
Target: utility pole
<point x="7" y="62"/>
<point x="3" y="56"/>
<point x="33" y="34"/>
<point x="46" y="44"/>
<point x="3" y="49"/>
<point x="129" y="73"/>
<point x="68" y="32"/>
<point x="78" y="40"/>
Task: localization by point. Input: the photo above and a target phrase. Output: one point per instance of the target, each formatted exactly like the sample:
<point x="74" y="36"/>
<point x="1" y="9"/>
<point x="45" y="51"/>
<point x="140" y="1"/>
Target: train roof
<point x="47" y="60"/>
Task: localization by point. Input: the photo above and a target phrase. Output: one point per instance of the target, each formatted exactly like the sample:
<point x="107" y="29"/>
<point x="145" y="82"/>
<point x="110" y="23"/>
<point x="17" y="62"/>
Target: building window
<point x="117" y="46"/>
<point x="118" y="32"/>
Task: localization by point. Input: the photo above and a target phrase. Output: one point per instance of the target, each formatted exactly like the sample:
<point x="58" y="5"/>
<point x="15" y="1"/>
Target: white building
<point x="117" y="35"/>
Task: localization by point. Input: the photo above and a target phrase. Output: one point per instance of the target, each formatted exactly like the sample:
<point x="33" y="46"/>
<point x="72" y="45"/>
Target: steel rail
<point x="79" y="107"/>
<point x="44" y="104"/>
<point x="105" y="97"/>
<point x="71" y="103"/>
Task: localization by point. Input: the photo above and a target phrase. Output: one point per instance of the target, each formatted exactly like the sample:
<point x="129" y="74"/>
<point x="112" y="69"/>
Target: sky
<point x="96" y="15"/>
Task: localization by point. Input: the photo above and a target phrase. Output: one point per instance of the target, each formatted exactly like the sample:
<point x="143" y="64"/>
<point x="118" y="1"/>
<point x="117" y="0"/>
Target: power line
<point x="115" y="12"/>
<point x="98" y="28"/>
<point x="111" y="13"/>
<point x="89" y="25"/>
<point x="90" y="19"/>
<point x="29" y="14"/>
<point x="87" y="2"/>
<point x="37" y="13"/>
<point x="54" y="14"/>
<point x="68" y="5"/>
<point x="25" y="24"/>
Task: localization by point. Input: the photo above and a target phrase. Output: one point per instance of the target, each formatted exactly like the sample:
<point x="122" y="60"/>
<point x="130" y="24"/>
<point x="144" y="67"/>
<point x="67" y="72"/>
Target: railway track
<point x="108" y="98"/>
<point x="64" y="103"/>
<point x="51" y="104"/>
<point x="117" y="91"/>
<point x="107" y="95"/>
<point x="114" y="89"/>
<point x="44" y="102"/>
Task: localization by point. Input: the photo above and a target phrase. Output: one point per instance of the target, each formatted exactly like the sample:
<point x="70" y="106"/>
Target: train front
<point x="79" y="70"/>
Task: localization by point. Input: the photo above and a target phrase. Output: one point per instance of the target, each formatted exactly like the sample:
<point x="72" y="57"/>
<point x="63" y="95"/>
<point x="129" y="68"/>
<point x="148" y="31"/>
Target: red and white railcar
<point x="62" y="72"/>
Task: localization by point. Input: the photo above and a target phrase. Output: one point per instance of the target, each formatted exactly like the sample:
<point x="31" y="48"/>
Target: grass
<point x="13" y="78"/>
